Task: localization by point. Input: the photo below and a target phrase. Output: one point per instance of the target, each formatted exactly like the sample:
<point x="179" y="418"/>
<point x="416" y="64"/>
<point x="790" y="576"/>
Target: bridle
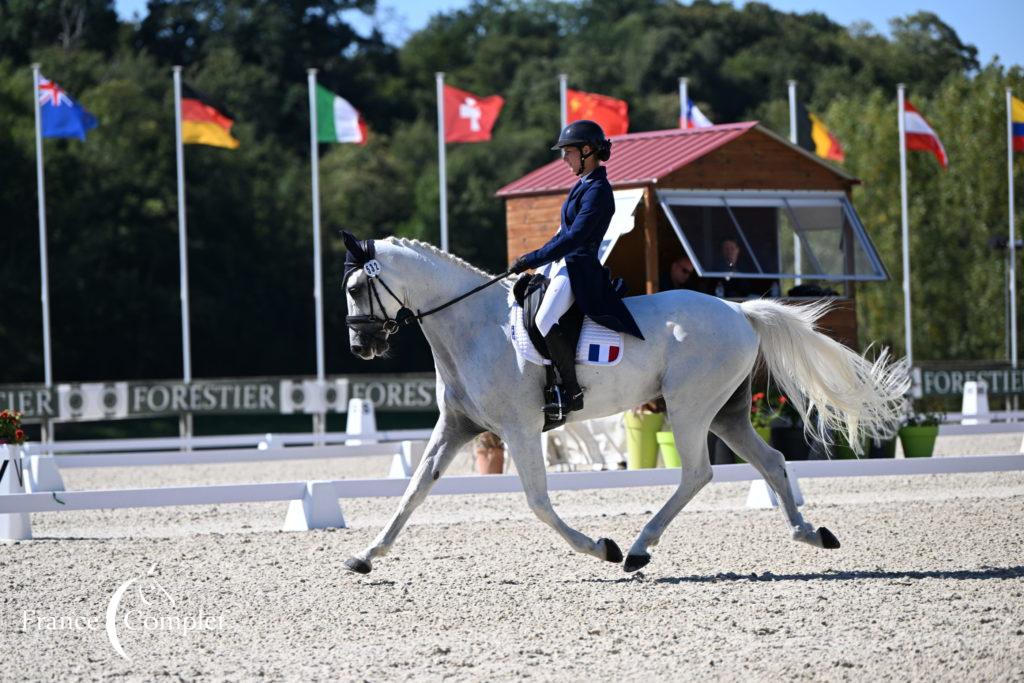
<point x="362" y="256"/>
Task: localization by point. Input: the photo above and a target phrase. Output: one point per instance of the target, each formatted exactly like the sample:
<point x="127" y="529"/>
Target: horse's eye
<point x="353" y="290"/>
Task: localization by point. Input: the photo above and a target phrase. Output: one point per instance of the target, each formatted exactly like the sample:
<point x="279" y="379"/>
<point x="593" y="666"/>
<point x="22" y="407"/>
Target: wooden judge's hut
<point x="687" y="192"/>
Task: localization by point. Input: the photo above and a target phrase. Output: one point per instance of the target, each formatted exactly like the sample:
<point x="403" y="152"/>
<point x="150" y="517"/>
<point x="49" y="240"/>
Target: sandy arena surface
<point x="929" y="585"/>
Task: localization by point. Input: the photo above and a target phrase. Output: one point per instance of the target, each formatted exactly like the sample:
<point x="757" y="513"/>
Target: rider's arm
<point x="596" y="208"/>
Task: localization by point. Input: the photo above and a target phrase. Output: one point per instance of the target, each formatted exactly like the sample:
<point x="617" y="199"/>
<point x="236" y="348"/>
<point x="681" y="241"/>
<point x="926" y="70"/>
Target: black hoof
<point x="611" y="550"/>
<point x="634" y="562"/>
<point x="828" y="539"/>
<point x="354" y="564"/>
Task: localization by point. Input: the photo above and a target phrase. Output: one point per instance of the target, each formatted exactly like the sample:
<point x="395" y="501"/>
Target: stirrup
<point x="559" y="403"/>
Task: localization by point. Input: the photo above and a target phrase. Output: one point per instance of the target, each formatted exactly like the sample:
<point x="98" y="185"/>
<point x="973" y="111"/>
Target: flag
<point x="920" y="135"/>
<point x="609" y="113"/>
<point x="337" y="120"/>
<point x="693" y="117"/>
<point x="812" y="135"/>
<point x="467" y="117"/>
<point x="61" y="116"/>
<point x="204" y="124"/>
<point x="1017" y="122"/>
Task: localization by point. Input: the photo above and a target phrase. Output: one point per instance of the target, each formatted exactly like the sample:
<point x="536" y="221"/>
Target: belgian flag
<point x="812" y="135"/>
<point x="203" y="123"/>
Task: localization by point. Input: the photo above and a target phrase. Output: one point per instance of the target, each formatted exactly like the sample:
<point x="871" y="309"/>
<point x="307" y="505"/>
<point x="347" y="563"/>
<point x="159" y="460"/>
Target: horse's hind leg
<point x="732" y="425"/>
<point x="692" y="444"/>
<point x="525" y="450"/>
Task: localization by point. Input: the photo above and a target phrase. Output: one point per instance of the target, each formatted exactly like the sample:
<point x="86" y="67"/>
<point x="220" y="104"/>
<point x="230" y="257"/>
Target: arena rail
<point x="315" y="504"/>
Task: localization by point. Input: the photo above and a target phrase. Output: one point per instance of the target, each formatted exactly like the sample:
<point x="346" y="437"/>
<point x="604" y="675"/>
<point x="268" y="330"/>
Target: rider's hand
<point x="519" y="265"/>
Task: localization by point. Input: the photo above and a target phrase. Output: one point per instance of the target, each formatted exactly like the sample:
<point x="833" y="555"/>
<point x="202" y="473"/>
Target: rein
<point x="362" y="254"/>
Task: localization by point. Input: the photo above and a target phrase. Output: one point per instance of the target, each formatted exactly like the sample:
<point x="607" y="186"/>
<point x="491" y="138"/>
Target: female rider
<point x="577" y="274"/>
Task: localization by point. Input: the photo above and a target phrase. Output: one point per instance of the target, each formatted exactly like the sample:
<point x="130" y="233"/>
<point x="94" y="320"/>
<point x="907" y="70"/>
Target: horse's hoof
<point x="828" y="539"/>
<point x="354" y="564"/>
<point x="611" y="550"/>
<point x="634" y="562"/>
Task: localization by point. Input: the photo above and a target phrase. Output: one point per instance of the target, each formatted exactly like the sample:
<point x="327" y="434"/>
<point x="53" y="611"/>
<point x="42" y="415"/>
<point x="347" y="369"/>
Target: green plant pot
<point x="918" y="442"/>
<point x="883" y="449"/>
<point x="641" y="442"/>
<point x="669" y="454"/>
<point x="765" y="433"/>
<point x="841" y="449"/>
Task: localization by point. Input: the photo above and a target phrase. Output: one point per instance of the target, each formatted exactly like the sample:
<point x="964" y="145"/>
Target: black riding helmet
<point x="584" y="132"/>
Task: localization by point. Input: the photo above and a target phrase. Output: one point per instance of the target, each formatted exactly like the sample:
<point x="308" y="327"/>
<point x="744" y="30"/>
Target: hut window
<point x="793" y="236"/>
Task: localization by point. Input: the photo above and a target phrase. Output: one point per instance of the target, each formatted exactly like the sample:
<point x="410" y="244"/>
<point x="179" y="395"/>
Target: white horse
<point x="699" y="353"/>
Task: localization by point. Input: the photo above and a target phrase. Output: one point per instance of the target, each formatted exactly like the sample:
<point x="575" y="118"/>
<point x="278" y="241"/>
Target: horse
<point x="699" y="354"/>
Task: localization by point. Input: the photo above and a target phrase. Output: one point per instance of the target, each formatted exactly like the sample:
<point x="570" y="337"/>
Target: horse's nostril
<point x="356" y="348"/>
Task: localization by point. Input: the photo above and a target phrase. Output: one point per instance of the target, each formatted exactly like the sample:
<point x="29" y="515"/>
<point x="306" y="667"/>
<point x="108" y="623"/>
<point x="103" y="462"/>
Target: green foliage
<point x="112" y="206"/>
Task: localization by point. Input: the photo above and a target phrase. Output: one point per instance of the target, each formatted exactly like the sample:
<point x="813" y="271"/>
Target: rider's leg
<point x="561" y="345"/>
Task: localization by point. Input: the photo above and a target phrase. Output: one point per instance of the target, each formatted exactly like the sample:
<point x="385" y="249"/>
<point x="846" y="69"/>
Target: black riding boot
<point x="562" y="351"/>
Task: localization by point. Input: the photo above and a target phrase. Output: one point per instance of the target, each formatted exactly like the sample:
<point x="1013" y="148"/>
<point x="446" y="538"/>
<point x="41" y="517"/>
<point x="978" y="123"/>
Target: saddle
<point x="528" y="292"/>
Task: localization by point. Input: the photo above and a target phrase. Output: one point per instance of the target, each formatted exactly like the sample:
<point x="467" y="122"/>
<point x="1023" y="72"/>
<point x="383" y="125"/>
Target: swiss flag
<point x="467" y="117"/>
<point x="920" y="135"/>
<point x="609" y="113"/>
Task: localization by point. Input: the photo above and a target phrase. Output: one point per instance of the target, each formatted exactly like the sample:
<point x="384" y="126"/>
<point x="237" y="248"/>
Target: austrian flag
<point x="920" y="135"/>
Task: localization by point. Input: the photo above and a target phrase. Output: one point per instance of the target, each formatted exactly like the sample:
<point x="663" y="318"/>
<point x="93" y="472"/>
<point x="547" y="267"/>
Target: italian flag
<point x="337" y="120"/>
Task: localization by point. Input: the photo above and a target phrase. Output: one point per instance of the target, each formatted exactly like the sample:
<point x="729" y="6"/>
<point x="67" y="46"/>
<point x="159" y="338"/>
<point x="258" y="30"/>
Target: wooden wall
<point x="531" y="221"/>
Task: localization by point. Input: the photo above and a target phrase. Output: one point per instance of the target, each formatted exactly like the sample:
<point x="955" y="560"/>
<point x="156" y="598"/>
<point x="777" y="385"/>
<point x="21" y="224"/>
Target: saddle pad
<point x="598" y="345"/>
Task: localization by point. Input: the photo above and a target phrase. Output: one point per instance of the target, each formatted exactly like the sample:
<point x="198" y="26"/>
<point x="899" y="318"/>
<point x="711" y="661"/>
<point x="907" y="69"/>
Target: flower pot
<point x="641" y="442"/>
<point x="669" y="454"/>
<point x="841" y="449"/>
<point x="790" y="442"/>
<point x="765" y="433"/>
<point x="490" y="460"/>
<point x="882" y="449"/>
<point x="918" y="442"/>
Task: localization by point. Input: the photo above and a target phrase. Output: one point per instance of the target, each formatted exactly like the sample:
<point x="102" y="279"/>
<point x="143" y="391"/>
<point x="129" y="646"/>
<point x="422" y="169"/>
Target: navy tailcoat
<point x="586" y="213"/>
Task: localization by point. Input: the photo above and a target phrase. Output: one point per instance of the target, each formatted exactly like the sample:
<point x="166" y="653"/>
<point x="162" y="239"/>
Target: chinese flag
<point x="609" y="113"/>
<point x="468" y="118"/>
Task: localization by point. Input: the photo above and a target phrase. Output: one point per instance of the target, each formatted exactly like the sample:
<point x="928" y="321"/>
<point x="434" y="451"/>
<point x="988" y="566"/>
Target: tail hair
<point x="830" y="386"/>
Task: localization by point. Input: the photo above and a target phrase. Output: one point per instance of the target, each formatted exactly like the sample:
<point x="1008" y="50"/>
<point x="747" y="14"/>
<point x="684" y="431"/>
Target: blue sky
<point x="993" y="26"/>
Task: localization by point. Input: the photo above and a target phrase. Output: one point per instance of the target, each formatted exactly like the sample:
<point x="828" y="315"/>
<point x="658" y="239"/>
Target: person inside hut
<point x="577" y="275"/>
<point x="732" y="259"/>
<point x="681" y="275"/>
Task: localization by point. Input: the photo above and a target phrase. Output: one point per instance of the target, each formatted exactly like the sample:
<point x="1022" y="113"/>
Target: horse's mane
<point x="444" y="255"/>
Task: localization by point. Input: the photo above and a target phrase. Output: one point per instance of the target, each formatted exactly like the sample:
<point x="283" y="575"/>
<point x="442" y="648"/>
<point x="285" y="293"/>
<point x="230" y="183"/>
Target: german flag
<point x="202" y="123"/>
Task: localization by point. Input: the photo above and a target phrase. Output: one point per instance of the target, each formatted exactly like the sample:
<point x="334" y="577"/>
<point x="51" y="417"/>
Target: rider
<point x="577" y="273"/>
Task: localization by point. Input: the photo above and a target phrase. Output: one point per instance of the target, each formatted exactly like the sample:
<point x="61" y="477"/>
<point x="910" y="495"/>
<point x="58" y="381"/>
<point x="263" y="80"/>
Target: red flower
<point x="782" y="400"/>
<point x="759" y="396"/>
<point x="19" y="434"/>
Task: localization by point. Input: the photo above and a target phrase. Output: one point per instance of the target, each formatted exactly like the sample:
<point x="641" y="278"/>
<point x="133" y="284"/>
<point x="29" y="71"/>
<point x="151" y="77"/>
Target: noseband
<point x="361" y="255"/>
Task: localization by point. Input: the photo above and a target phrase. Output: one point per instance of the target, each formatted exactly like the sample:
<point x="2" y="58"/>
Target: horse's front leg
<point x="448" y="437"/>
<point x="525" y="450"/>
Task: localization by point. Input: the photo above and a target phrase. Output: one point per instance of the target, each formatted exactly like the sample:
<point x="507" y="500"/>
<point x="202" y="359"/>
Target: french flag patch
<point x="603" y="353"/>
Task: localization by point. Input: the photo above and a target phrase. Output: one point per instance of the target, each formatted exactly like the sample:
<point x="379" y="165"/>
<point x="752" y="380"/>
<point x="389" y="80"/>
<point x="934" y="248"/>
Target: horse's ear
<point x="352" y="244"/>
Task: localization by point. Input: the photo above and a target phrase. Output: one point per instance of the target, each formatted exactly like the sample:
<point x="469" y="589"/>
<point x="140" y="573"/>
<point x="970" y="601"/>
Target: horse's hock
<point x="684" y="192"/>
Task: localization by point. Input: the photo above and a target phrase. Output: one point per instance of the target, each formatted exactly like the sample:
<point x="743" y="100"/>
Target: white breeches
<point x="557" y="300"/>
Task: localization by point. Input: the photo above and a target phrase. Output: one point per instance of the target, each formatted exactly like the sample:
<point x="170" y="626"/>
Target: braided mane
<point x="444" y="255"/>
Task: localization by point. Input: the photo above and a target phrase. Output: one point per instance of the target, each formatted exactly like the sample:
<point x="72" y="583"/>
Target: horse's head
<point x="374" y="313"/>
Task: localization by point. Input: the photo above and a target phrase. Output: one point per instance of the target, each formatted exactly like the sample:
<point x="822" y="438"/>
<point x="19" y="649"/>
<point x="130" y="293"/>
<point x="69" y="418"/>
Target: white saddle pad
<point x="598" y="345"/>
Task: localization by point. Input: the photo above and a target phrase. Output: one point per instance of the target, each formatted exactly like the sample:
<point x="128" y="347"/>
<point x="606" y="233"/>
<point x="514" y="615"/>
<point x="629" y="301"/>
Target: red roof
<point x="637" y="158"/>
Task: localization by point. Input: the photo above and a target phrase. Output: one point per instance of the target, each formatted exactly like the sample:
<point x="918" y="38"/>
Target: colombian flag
<point x="1017" y="123"/>
<point x="202" y="123"/>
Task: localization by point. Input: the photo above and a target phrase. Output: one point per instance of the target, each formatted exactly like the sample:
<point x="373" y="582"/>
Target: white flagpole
<point x="441" y="162"/>
<point x="186" y="351"/>
<point x="563" y="86"/>
<point x="684" y="97"/>
<point x="43" y="266"/>
<point x="320" y="418"/>
<point x="794" y="137"/>
<point x="1012" y="245"/>
<point x="908" y="333"/>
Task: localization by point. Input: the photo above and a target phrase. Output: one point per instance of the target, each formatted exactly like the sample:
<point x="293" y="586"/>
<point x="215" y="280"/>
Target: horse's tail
<point x="824" y="379"/>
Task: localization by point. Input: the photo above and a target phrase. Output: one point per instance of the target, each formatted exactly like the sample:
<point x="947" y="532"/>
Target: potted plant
<point x="490" y="454"/>
<point x="642" y="426"/>
<point x="11" y="434"/>
<point x="918" y="434"/>
<point x="788" y="431"/>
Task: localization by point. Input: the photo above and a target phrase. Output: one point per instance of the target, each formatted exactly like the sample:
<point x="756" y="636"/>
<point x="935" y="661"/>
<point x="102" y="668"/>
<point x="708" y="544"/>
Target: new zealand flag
<point x="60" y="115"/>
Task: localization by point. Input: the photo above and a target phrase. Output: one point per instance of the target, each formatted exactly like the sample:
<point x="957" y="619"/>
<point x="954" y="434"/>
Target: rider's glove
<point x="519" y="265"/>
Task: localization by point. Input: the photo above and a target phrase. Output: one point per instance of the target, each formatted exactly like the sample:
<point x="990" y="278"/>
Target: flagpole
<point x="43" y="265"/>
<point x="185" y="421"/>
<point x="908" y="334"/>
<point x="794" y="137"/>
<point x="319" y="419"/>
<point x="563" y="86"/>
<point x="684" y="98"/>
<point x="441" y="162"/>
<point x="1012" y="244"/>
